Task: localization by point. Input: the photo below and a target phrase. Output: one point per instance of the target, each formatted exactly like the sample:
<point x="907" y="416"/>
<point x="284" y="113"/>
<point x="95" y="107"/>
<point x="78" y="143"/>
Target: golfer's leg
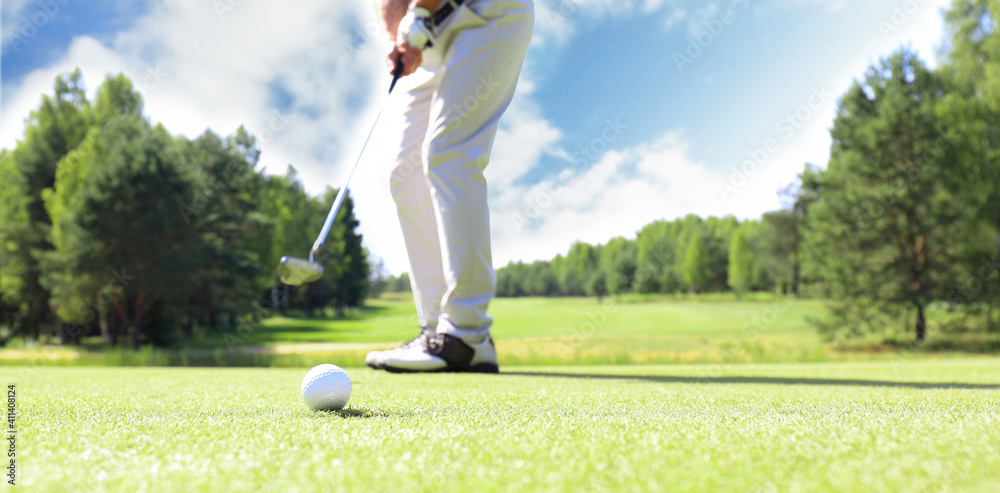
<point x="480" y="73"/>
<point x="413" y="199"/>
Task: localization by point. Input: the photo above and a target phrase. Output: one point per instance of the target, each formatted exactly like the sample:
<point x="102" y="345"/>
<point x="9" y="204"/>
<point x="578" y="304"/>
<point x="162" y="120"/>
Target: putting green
<point x="872" y="426"/>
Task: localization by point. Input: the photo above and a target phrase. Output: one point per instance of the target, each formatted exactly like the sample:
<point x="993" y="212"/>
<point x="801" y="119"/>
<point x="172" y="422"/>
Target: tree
<point x="809" y="259"/>
<point x="380" y="278"/>
<point x="777" y="252"/>
<point x="971" y="109"/>
<point x="74" y="283"/>
<point x="13" y="220"/>
<point x="740" y="263"/>
<point x="886" y="221"/>
<point x="623" y="272"/>
<point x="400" y="284"/>
<point x="696" y="265"/>
<point x="618" y="261"/>
<point x="344" y="259"/>
<point x="581" y="261"/>
<point x="718" y="233"/>
<point x="224" y="213"/>
<point x="130" y="221"/>
<point x="597" y="285"/>
<point x="53" y="129"/>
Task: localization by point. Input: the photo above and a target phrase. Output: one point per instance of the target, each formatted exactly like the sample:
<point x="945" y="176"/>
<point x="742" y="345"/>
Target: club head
<point x="297" y="271"/>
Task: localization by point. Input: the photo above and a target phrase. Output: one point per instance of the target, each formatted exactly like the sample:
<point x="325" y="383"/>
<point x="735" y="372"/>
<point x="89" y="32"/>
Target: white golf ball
<point x="326" y="388"/>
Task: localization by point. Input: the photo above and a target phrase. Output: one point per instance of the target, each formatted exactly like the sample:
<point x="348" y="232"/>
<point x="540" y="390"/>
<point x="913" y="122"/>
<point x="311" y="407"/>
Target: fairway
<point x="393" y="318"/>
<point x="557" y="331"/>
<point x="905" y="426"/>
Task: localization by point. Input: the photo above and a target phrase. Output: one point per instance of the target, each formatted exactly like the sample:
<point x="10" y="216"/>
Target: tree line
<point x="110" y="225"/>
<point x="905" y="215"/>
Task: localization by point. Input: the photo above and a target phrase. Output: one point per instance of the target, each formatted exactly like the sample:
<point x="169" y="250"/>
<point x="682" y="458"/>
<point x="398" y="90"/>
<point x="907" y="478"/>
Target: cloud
<point x="94" y="60"/>
<point x="624" y="190"/>
<point x="307" y="77"/>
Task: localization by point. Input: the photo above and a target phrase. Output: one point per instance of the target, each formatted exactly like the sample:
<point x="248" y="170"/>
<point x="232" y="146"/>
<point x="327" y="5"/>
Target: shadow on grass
<point x="765" y="380"/>
<point x="359" y="412"/>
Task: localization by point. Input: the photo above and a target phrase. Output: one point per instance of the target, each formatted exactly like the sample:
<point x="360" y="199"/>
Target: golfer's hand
<point x="410" y="54"/>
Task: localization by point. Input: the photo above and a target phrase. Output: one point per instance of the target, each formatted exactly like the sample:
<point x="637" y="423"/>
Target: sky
<point x="627" y="111"/>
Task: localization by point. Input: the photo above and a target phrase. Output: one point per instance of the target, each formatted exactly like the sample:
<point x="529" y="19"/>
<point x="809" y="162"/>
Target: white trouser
<point x="450" y="109"/>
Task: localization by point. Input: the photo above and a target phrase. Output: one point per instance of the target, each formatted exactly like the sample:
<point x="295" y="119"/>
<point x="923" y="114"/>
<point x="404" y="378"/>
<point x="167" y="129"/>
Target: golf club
<point x="296" y="271"/>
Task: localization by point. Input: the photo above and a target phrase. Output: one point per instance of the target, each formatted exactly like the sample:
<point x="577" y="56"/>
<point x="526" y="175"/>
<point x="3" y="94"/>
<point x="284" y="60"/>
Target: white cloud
<point x="620" y="193"/>
<point x="628" y="188"/>
<point x="197" y="69"/>
<point x="94" y="60"/>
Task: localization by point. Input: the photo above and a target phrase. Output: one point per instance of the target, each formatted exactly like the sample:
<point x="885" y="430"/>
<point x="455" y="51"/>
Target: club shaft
<point x="340" y="195"/>
<point x="396" y="74"/>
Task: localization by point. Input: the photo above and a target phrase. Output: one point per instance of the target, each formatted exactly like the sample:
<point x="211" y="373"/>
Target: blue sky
<point x="659" y="139"/>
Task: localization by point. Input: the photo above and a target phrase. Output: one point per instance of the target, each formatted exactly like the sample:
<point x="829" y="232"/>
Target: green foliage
<point x="971" y="111"/>
<point x="54" y="129"/>
<point x="597" y="285"/>
<point x="888" y="222"/>
<point x="344" y="260"/>
<point x="696" y="264"/>
<point x="740" y="263"/>
<point x="109" y="222"/>
<point x="399" y="284"/>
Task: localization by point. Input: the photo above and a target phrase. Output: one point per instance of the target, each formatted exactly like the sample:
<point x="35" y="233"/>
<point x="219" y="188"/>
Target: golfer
<point x="461" y="61"/>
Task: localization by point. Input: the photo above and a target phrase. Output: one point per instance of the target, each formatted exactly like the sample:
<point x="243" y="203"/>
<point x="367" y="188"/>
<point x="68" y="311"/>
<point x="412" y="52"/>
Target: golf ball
<point x="326" y="388"/>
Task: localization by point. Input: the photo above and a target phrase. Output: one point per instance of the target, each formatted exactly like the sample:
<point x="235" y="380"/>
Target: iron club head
<point x="296" y="271"/>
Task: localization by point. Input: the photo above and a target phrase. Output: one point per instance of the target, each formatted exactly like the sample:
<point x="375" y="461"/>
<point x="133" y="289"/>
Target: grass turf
<point x="555" y="331"/>
<point x="393" y="318"/>
<point x="873" y="426"/>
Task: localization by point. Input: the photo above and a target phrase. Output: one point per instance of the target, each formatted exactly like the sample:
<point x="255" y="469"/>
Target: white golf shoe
<point x="432" y="352"/>
<point x="374" y="359"/>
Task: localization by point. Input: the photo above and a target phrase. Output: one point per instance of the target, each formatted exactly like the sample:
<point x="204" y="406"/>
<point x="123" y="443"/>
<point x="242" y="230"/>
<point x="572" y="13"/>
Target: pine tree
<point x="886" y="226"/>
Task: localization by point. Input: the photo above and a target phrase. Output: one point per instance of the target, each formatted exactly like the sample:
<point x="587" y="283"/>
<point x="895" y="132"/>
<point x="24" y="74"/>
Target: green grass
<point x="393" y="318"/>
<point x="637" y="329"/>
<point x="864" y="426"/>
<point x="553" y="331"/>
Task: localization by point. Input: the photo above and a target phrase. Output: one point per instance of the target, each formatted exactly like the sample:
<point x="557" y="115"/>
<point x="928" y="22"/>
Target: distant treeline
<point x="690" y="254"/>
<point x="110" y="225"/>
<point x="905" y="215"/>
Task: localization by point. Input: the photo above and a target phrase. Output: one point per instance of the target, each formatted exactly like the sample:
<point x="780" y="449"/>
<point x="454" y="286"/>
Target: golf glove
<point x="415" y="28"/>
